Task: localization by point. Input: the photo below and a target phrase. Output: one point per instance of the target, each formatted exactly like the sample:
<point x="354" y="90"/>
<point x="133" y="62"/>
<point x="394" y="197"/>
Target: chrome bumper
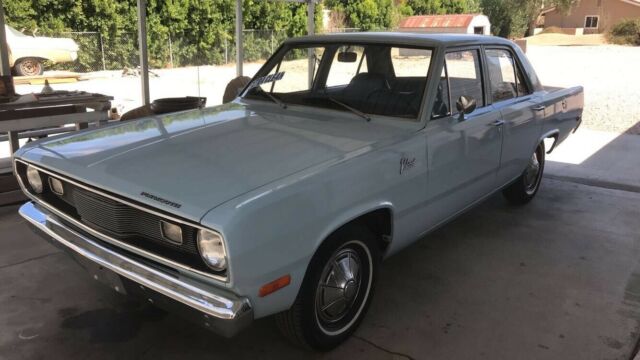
<point x="222" y="312"/>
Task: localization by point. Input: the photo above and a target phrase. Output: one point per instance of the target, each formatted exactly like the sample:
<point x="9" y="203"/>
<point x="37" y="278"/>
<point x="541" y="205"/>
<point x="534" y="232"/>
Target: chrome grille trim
<point x="108" y="239"/>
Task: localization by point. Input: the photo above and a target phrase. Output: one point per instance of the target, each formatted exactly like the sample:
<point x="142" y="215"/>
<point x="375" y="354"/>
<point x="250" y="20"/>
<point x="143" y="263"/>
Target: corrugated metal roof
<point x="437" y="21"/>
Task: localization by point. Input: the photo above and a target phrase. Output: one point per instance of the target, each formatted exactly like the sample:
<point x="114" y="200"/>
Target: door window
<point x="505" y="77"/>
<point x="461" y="76"/>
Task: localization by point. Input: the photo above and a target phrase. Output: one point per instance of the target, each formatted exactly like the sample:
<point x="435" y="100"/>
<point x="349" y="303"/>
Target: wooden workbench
<point x="41" y="115"/>
<point x="51" y="111"/>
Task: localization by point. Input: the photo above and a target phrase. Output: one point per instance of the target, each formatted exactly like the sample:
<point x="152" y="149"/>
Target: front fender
<point x="273" y="246"/>
<point x="275" y="230"/>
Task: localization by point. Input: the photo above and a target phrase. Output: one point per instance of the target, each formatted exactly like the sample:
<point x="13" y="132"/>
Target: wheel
<point x="28" y="67"/>
<point x="336" y="291"/>
<point x="526" y="186"/>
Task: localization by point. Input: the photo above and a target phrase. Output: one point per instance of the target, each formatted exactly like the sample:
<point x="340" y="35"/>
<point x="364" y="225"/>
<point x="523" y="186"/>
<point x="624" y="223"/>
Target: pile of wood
<point x="53" y="79"/>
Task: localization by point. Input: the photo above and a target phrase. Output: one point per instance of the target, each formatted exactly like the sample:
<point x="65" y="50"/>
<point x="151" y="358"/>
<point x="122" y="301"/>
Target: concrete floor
<point x="556" y="279"/>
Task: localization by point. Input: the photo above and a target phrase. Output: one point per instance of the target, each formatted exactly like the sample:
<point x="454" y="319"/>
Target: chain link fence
<point x="97" y="53"/>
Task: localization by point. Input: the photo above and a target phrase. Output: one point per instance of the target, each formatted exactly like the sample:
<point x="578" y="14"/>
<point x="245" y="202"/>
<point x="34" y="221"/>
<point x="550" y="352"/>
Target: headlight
<point x="34" y="178"/>
<point x="212" y="250"/>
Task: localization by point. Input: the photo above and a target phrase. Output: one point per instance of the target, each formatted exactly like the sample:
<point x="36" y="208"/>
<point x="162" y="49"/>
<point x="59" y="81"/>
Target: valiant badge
<point x="406" y="164"/>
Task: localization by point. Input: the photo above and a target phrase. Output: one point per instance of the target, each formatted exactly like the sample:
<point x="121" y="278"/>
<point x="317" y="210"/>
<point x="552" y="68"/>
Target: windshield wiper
<point x="352" y="109"/>
<point x="272" y="97"/>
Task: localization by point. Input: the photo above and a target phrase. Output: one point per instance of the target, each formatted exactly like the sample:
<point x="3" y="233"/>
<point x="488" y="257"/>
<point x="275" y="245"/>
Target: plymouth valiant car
<point x="28" y="53"/>
<point x="342" y="150"/>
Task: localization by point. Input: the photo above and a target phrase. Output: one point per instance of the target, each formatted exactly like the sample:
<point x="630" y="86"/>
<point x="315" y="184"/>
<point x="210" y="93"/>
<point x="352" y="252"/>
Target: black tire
<point x="526" y="186"/>
<point x="302" y="323"/>
<point x="28" y="67"/>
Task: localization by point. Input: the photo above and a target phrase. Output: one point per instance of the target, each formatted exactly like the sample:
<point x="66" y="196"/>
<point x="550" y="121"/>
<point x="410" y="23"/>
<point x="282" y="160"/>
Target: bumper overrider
<point x="218" y="310"/>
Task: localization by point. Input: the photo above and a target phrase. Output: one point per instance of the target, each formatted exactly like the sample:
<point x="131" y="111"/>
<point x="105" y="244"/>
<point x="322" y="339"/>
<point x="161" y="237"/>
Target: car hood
<point x="203" y="158"/>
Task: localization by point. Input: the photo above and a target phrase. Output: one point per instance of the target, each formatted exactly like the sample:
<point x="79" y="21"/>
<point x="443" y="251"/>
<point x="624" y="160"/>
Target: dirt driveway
<point x="610" y="75"/>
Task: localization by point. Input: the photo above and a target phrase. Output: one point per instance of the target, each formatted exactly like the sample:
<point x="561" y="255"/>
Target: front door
<point x="463" y="151"/>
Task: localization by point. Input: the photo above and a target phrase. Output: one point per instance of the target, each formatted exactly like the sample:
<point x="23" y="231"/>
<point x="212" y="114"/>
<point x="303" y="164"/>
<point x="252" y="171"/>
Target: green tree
<point x="197" y="29"/>
<point x="425" y="7"/>
<point x="370" y="14"/>
<point x="515" y="18"/>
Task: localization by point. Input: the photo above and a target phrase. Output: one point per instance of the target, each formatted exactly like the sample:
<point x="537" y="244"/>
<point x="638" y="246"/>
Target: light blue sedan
<point x="342" y="150"/>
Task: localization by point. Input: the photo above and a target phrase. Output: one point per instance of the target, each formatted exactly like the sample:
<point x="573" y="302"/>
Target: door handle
<point x="497" y="123"/>
<point x="538" y="108"/>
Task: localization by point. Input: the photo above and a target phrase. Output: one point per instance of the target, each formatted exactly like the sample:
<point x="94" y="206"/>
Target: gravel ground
<point x="610" y="75"/>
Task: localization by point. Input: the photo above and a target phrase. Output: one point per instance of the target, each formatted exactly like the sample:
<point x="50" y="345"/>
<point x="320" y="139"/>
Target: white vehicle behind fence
<point x="27" y="54"/>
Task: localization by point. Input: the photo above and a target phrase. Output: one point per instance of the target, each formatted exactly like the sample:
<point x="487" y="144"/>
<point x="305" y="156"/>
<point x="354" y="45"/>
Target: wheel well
<point x="380" y="223"/>
<point x="16" y="61"/>
<point x="550" y="142"/>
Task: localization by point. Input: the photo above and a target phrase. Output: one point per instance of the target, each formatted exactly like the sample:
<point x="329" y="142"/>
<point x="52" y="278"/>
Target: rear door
<point x="463" y="151"/>
<point x="511" y="93"/>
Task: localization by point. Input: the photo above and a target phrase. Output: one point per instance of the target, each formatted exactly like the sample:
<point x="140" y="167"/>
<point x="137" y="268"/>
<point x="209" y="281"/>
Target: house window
<point x="591" y="22"/>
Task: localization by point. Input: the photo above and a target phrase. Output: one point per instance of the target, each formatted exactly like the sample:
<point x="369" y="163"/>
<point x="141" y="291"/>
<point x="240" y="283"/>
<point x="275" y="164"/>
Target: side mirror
<point x="466" y="105"/>
<point x="347" y="57"/>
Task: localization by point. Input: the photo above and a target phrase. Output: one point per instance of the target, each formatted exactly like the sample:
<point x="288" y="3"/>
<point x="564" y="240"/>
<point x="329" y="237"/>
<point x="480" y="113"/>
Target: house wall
<point x="480" y="21"/>
<point x="609" y="11"/>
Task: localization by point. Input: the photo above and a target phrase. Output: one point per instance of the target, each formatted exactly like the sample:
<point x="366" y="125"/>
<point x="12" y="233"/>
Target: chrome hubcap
<point x="339" y="286"/>
<point x="532" y="173"/>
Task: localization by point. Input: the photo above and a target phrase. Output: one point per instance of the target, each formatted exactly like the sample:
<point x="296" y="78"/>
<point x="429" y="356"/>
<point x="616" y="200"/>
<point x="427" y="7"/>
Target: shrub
<point x="626" y="32"/>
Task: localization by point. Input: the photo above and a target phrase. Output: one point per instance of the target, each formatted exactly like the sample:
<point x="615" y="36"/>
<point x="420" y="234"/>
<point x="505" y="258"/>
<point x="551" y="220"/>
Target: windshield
<point x="362" y="78"/>
<point x="15" y="32"/>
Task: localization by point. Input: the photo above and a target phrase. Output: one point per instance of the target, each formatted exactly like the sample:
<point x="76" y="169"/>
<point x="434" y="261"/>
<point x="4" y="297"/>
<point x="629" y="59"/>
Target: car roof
<point x="404" y="38"/>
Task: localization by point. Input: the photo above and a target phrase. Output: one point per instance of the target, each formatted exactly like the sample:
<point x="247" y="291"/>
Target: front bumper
<point x="222" y="312"/>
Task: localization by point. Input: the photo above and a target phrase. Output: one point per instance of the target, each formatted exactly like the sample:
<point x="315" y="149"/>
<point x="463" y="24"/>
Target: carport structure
<point x="5" y="69"/>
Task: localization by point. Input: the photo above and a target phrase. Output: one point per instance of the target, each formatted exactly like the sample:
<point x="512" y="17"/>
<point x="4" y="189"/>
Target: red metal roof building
<point x="458" y="23"/>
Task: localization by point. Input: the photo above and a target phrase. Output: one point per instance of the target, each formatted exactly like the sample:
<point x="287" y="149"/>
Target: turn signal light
<point x="274" y="286"/>
<point x="56" y="186"/>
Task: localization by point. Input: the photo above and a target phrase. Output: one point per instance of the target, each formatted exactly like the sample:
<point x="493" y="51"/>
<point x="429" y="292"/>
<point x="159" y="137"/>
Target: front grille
<point x="121" y="221"/>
